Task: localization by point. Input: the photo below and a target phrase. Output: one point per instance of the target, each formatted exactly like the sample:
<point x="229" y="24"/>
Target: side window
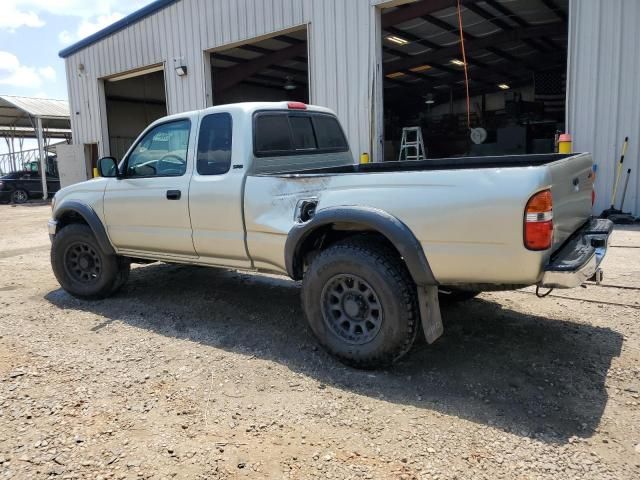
<point x="272" y="133"/>
<point x="329" y="133"/>
<point x="162" y="152"/>
<point x="214" y="144"/>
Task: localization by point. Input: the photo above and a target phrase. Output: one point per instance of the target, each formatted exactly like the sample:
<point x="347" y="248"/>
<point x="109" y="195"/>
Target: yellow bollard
<point x="364" y="158"/>
<point x="565" y="143"/>
<point x="95" y="173"/>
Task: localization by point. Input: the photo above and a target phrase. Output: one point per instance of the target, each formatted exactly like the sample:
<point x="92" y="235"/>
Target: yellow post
<point x="364" y="158"/>
<point x="565" y="143"/>
<point x="95" y="173"/>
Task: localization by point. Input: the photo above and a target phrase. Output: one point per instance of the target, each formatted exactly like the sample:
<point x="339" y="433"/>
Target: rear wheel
<point x="82" y="268"/>
<point x="361" y="303"/>
<point x="19" y="196"/>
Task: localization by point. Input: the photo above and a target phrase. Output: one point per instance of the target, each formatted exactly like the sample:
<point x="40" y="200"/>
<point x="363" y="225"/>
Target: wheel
<point x="361" y="303"/>
<point x="455" y="295"/>
<point x="19" y="196"/>
<point x="82" y="268"/>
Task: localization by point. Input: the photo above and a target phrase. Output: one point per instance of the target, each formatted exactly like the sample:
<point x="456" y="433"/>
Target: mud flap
<point x="430" y="313"/>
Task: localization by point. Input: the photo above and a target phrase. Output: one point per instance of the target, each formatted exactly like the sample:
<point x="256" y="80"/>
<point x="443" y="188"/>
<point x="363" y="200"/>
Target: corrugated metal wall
<point x="604" y="90"/>
<point x="342" y="61"/>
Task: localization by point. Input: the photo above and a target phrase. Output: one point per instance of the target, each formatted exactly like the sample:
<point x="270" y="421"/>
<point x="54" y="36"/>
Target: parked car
<point x="19" y="187"/>
<point x="273" y="187"/>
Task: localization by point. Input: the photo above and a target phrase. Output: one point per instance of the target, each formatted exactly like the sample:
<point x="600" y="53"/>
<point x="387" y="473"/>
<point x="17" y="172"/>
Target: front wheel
<point x="82" y="268"/>
<point x="361" y="303"/>
<point x="19" y="196"/>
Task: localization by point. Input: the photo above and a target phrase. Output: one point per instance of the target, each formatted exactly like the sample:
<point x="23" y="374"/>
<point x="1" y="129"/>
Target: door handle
<point x="174" y="194"/>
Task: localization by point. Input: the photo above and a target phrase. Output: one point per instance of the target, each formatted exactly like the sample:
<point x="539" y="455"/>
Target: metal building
<point x="535" y="67"/>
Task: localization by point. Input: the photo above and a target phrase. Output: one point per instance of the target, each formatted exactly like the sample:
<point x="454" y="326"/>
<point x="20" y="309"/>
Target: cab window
<point x="214" y="145"/>
<point x="162" y="152"/>
<point x="278" y="134"/>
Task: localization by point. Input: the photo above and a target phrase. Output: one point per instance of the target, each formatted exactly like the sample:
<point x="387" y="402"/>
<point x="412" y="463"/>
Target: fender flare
<point x="92" y="219"/>
<point x="373" y="219"/>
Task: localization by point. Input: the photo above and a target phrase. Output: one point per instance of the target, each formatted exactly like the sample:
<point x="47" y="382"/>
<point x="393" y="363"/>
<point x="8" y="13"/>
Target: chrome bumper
<point x="579" y="260"/>
<point x="52" y="226"/>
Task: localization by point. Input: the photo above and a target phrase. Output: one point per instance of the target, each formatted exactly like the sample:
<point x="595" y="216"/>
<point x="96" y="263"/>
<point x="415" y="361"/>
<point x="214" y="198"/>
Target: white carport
<point x="39" y="118"/>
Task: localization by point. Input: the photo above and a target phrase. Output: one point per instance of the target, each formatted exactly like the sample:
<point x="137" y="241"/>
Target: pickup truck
<point x="273" y="187"/>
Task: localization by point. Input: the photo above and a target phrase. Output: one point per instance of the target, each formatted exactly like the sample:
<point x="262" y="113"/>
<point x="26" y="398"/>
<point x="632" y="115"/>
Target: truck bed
<point x="466" y="212"/>
<point x="453" y="163"/>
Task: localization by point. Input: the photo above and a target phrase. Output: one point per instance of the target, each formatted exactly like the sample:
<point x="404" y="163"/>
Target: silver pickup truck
<point x="272" y="187"/>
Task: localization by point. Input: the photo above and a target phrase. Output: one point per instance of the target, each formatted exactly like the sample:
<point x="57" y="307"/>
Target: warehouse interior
<point x="271" y="69"/>
<point x="133" y="101"/>
<point x="516" y="59"/>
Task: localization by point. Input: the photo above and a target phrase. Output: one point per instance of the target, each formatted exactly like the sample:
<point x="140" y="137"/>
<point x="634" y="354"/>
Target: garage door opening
<point x="273" y="69"/>
<point x="133" y="101"/>
<point x="517" y="63"/>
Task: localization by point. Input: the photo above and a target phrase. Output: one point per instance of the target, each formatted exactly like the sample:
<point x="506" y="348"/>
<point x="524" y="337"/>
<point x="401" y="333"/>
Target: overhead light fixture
<point x="457" y="62"/>
<point x="395" y="75"/>
<point x="504" y="86"/>
<point x="289" y="85"/>
<point x="429" y="99"/>
<point x="397" y="40"/>
<point x="421" y="68"/>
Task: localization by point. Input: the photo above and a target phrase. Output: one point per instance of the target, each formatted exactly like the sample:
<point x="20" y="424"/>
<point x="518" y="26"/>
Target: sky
<point x="32" y="32"/>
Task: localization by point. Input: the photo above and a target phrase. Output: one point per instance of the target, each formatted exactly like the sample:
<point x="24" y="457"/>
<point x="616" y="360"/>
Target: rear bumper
<point x="579" y="259"/>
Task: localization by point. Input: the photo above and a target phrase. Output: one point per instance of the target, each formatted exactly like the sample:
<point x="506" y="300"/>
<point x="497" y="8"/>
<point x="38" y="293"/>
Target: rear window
<point x="272" y="133"/>
<point x="302" y="133"/>
<point x="328" y="132"/>
<point x="287" y="133"/>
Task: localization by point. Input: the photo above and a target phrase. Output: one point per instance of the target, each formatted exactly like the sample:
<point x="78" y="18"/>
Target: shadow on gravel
<point x="528" y="375"/>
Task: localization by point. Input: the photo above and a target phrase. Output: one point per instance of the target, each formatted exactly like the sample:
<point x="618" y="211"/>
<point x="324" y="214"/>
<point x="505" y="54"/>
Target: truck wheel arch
<point x="364" y="219"/>
<point x="76" y="212"/>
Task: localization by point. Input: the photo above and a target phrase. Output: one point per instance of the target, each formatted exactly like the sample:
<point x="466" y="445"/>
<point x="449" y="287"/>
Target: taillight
<point x="538" y="221"/>
<point x="296" y="106"/>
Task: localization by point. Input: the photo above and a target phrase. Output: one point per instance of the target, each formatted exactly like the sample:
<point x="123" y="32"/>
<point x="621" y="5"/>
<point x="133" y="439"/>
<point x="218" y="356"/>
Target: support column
<point x="43" y="159"/>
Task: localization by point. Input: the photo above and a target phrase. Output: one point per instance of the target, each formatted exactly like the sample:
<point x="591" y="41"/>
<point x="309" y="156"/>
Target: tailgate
<point x="572" y="186"/>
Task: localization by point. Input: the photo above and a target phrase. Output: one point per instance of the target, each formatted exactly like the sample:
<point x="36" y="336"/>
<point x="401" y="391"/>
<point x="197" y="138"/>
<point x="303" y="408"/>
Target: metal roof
<point x="28" y="132"/>
<point x="19" y="111"/>
<point x="37" y="107"/>
<point x="116" y="27"/>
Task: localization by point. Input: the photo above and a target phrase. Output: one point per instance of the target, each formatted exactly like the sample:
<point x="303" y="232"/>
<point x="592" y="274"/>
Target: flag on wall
<point x="551" y="90"/>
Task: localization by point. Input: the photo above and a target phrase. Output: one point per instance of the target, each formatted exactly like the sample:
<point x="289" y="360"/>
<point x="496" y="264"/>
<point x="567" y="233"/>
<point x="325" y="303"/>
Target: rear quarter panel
<point x="469" y="222"/>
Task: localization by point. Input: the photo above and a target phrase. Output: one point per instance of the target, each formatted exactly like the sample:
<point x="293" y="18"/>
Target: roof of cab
<point x="246" y="108"/>
<point x="251" y="107"/>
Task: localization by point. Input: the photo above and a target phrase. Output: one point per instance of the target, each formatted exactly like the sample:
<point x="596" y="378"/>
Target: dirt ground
<point x="203" y="373"/>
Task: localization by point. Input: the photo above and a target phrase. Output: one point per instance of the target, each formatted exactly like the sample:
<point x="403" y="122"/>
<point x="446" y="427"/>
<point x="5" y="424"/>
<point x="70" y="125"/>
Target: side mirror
<point x="108" y="167"/>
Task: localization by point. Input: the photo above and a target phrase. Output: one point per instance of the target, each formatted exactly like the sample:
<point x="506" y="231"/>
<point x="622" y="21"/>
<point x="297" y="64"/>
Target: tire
<point x="457" y="295"/>
<point x="373" y="279"/>
<point x="19" y="196"/>
<point x="82" y="268"/>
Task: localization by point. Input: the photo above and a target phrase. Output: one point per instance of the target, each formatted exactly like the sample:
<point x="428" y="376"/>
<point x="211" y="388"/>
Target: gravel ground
<point x="203" y="373"/>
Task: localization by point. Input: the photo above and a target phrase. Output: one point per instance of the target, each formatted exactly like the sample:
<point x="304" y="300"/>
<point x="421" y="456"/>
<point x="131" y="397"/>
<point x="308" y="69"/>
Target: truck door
<point x="148" y="209"/>
<point x="216" y="193"/>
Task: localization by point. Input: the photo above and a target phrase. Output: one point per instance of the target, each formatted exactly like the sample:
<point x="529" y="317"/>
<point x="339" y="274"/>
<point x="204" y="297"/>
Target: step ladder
<point x="412" y="145"/>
